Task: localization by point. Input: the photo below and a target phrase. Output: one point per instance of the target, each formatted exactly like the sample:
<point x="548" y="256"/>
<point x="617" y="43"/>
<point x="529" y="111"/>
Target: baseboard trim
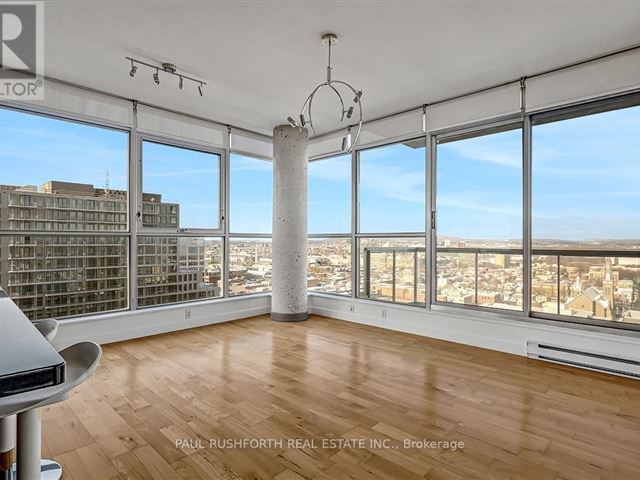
<point x="420" y="329"/>
<point x="148" y="322"/>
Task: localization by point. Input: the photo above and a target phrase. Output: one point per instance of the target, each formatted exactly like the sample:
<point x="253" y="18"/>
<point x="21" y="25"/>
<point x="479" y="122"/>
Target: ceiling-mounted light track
<point x="348" y="142"/>
<point x="168" y="68"/>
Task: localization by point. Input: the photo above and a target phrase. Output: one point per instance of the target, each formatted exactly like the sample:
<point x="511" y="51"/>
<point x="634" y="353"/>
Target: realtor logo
<point x="21" y="50"/>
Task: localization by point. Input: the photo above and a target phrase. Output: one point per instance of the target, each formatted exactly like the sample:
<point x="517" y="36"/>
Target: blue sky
<point x="586" y="177"/>
<point x="35" y="149"/>
<point x="392" y="189"/>
<point x="586" y="181"/>
<point x="330" y="195"/>
<point x="187" y="177"/>
<point x="250" y="194"/>
<point x="479" y="193"/>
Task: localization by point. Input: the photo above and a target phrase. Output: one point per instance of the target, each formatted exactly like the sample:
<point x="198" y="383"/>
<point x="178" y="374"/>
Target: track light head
<point x="303" y="121"/>
<point x="200" y="90"/>
<point x="292" y="122"/>
<point x="181" y="83"/>
<point x="133" y="71"/>
<point x="156" y="78"/>
<point x="350" y="112"/>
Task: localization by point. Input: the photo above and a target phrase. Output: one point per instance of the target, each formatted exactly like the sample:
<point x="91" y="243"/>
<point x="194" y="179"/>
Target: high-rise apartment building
<point x="62" y="254"/>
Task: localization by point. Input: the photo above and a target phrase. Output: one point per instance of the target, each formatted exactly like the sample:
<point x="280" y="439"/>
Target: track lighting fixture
<point x="336" y="86"/>
<point x="133" y="70"/>
<point x="167" y="68"/>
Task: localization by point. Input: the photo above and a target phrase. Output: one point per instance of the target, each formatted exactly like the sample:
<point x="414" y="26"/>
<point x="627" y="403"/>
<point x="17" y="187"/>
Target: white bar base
<point x="29" y="447"/>
<point x="49" y="470"/>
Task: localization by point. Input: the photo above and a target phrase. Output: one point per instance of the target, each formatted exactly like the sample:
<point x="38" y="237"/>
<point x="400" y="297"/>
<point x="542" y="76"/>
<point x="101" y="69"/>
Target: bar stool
<point x="48" y="329"/>
<point x="81" y="362"/>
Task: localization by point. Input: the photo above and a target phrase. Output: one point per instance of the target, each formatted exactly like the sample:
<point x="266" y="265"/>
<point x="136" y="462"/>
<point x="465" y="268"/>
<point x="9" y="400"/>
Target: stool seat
<point x="47" y="328"/>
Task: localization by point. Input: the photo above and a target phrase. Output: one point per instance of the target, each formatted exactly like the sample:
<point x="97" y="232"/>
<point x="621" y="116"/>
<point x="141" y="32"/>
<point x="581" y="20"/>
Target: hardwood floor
<point x="328" y="379"/>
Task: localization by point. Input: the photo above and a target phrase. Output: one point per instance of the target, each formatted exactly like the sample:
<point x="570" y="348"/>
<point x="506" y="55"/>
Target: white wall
<point x="113" y="327"/>
<point x="504" y="333"/>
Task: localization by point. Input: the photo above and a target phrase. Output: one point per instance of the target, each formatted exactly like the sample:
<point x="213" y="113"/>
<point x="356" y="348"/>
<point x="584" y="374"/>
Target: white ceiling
<point x="261" y="59"/>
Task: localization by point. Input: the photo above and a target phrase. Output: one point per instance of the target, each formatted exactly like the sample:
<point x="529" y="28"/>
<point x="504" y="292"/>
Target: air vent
<point x="612" y="364"/>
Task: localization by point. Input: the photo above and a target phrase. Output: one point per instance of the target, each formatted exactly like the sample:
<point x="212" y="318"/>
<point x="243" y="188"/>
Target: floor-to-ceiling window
<point x="179" y="255"/>
<point x="586" y="214"/>
<point x="64" y="247"/>
<point x="249" y="241"/>
<point x="391" y="182"/>
<point x="330" y="198"/>
<point x="479" y="209"/>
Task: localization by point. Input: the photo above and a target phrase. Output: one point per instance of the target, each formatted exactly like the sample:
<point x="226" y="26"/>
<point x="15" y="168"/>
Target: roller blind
<point x="326" y="145"/>
<point x="67" y="99"/>
<point x="490" y="104"/>
<point x="391" y="128"/>
<point x="591" y="80"/>
<point x="156" y="121"/>
<point x="252" y="144"/>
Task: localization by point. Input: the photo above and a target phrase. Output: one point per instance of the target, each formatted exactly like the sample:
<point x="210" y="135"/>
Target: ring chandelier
<point x="335" y="86"/>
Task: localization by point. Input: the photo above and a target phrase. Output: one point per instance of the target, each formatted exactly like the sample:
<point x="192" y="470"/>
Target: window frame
<point x="473" y="131"/>
<point x="129" y="130"/>
<point x="348" y="232"/>
<point x="230" y="238"/>
<point x="228" y="216"/>
<point x="358" y="234"/>
<point x="335" y="236"/>
<point x="558" y="114"/>
<point x="185" y="145"/>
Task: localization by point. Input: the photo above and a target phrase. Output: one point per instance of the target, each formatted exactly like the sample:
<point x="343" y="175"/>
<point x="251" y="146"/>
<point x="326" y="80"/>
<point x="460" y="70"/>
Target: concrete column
<point x="289" y="272"/>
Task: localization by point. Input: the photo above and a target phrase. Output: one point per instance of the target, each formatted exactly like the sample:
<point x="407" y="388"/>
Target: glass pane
<point x="181" y="187"/>
<point x="330" y="195"/>
<point x="61" y="176"/>
<point x="329" y="265"/>
<point x="586" y="187"/>
<point x="393" y="270"/>
<point x="485" y="279"/>
<point x="251" y="194"/>
<point x="456" y="282"/>
<point x="544" y="283"/>
<point x="479" y="192"/>
<point x="602" y="288"/>
<point x="500" y="281"/>
<point x="61" y="276"/>
<point x="178" y="269"/>
<point x="249" y="265"/>
<point x="392" y="188"/>
<point x="586" y="182"/>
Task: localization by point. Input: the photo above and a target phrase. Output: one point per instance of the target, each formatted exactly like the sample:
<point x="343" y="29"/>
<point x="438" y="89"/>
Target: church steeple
<point x="608" y="286"/>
